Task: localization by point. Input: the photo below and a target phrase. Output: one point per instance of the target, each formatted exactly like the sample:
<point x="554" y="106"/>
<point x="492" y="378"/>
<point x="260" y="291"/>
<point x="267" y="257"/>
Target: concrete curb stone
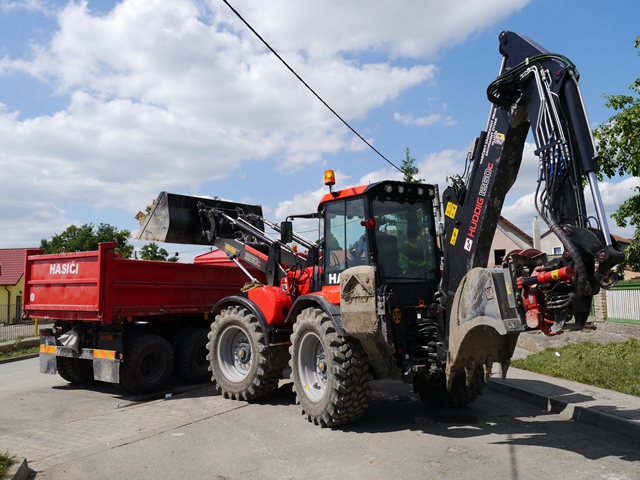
<point x="19" y="470"/>
<point x="590" y="415"/>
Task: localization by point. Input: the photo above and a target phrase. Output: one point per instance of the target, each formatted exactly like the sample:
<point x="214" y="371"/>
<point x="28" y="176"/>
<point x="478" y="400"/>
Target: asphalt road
<point x="77" y="433"/>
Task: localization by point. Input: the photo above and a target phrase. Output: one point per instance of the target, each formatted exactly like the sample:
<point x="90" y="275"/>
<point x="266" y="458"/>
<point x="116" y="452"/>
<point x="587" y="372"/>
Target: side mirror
<point x="286" y="232"/>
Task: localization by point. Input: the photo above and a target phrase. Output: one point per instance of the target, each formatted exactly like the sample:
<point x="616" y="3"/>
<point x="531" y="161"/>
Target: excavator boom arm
<point x="536" y="91"/>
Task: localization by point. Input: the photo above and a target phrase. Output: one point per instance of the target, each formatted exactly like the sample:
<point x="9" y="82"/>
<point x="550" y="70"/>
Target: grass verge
<point x="614" y="366"/>
<point x="18" y="350"/>
<point x="6" y="461"/>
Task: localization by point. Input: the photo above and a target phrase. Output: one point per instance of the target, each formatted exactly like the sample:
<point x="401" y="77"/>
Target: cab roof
<point x="390" y="187"/>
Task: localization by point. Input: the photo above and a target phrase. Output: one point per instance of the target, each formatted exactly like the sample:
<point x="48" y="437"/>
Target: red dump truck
<point x="126" y="321"/>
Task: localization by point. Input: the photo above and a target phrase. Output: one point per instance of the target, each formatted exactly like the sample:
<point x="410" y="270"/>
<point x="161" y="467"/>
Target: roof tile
<point x="11" y="265"/>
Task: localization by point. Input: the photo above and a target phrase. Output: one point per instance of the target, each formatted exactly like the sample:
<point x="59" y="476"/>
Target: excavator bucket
<point x="174" y="218"/>
<point x="484" y="325"/>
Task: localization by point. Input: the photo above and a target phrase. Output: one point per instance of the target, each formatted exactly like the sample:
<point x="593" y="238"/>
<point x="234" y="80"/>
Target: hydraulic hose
<point x="582" y="286"/>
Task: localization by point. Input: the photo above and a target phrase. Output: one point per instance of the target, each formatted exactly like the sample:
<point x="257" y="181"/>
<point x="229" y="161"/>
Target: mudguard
<point x="360" y="319"/>
<point x="485" y="324"/>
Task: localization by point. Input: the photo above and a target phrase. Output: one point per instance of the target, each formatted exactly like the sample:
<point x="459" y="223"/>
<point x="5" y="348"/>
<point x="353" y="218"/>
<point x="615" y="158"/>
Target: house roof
<point x="517" y="230"/>
<point x="11" y="265"/>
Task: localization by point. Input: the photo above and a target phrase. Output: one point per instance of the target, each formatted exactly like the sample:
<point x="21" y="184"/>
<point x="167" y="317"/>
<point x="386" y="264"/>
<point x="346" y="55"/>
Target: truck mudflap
<point x="106" y="363"/>
<point x="484" y="326"/>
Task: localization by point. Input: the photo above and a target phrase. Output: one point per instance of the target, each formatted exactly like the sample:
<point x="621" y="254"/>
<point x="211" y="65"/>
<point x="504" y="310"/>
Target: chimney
<point x="536" y="233"/>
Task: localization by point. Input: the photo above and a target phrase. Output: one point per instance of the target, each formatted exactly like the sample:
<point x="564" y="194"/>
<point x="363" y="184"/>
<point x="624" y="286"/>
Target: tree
<point x="86" y="238"/>
<point x="409" y="169"/>
<point x="152" y="251"/>
<point x="619" y="146"/>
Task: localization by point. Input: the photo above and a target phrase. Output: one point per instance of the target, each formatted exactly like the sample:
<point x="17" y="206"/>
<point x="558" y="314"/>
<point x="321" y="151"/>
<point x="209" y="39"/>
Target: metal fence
<point x="13" y="327"/>
<point x="623" y="302"/>
<point x="10" y="313"/>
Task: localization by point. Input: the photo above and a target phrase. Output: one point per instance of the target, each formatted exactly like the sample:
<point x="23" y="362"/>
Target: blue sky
<point x="103" y="104"/>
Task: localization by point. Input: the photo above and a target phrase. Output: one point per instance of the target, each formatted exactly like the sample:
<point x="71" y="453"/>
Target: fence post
<point x="35" y="329"/>
<point x="600" y="306"/>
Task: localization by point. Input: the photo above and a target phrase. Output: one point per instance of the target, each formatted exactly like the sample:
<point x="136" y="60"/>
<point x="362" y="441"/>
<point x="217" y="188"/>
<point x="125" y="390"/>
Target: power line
<point x="308" y="87"/>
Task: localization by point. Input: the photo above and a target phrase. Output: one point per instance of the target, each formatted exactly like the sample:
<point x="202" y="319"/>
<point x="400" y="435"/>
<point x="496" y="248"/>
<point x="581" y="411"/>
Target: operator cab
<point x="389" y="225"/>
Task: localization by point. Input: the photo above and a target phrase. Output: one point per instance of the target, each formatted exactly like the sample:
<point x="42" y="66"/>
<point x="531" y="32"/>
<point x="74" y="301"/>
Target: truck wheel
<point x="238" y="356"/>
<point x="330" y="373"/>
<point x="147" y="365"/>
<point x="190" y="352"/>
<point x="75" y="370"/>
<point x="435" y="392"/>
<point x="63" y="371"/>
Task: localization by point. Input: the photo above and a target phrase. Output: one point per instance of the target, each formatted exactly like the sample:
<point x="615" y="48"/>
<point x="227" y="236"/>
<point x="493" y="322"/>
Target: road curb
<point x="19" y="470"/>
<point x="15" y="359"/>
<point x="589" y="415"/>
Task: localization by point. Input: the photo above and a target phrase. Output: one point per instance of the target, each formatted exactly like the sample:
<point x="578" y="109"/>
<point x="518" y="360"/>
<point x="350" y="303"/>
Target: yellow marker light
<point x="329" y="178"/>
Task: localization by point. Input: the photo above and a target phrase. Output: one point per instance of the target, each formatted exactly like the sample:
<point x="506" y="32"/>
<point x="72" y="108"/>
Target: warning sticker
<point x="454" y="236"/>
<point x="230" y="249"/>
<point x="451" y="210"/>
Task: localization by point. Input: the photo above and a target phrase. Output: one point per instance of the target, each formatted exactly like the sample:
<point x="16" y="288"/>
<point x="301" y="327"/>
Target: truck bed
<point x="102" y="286"/>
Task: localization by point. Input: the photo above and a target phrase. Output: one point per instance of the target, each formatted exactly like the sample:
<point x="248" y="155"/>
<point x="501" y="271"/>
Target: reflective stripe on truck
<point x="106" y="363"/>
<point x="87" y="353"/>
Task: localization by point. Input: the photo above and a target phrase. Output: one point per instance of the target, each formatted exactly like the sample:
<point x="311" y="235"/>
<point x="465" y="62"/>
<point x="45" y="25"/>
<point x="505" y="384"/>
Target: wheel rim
<point x="312" y="365"/>
<point x="234" y="354"/>
<point x="152" y="367"/>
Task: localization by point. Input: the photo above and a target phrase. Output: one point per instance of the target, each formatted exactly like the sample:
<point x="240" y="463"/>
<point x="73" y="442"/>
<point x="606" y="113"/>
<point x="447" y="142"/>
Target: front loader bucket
<point x="174" y="218"/>
<point x="484" y="324"/>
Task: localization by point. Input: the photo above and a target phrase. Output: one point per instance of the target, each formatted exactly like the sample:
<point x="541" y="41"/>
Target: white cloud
<point x="614" y="193"/>
<point x="421" y="121"/>
<point x="435" y="168"/>
<point x="522" y="210"/>
<point x="159" y="90"/>
<point x="35" y="220"/>
<point x="413" y="28"/>
<point x="521" y="213"/>
<point x="29" y="5"/>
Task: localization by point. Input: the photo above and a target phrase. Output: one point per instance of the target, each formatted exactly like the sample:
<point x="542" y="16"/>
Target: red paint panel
<point x="346" y="193"/>
<point x="103" y="286"/>
<point x="332" y="294"/>
<point x="56" y="285"/>
<point x="273" y="302"/>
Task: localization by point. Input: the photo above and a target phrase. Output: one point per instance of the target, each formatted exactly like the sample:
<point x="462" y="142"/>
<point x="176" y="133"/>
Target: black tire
<point x="75" y="370"/>
<point x="61" y="366"/>
<point x="81" y="370"/>
<point x="190" y="353"/>
<point x="330" y="373"/>
<point x="147" y="363"/>
<point x="238" y="356"/>
<point x="580" y="320"/>
<point x="435" y="393"/>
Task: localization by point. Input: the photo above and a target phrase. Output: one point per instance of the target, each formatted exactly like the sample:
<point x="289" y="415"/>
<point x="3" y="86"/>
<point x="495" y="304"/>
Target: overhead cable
<point x="308" y="87"/>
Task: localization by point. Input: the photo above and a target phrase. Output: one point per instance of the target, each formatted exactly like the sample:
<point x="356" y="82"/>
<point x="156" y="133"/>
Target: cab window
<point x="344" y="236"/>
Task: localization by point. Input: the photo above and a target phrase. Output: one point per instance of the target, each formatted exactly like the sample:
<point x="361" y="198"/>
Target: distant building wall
<point x="550" y="244"/>
<point x="507" y="239"/>
<point x="11" y="301"/>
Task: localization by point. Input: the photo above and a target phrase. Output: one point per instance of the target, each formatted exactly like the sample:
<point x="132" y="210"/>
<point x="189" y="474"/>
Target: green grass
<point x="18" y="350"/>
<point x="6" y="461"/>
<point x="614" y="366"/>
